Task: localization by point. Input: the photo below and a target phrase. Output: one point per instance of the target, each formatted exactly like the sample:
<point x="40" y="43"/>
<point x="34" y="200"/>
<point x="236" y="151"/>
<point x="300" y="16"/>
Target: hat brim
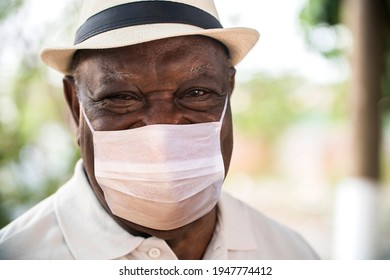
<point x="239" y="41"/>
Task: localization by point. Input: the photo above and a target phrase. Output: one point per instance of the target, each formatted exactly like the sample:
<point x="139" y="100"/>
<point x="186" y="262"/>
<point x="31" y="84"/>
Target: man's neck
<point x="192" y="245"/>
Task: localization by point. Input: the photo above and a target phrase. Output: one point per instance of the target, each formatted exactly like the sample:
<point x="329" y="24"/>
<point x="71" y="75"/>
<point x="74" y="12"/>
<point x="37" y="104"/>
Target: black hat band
<point x="144" y="12"/>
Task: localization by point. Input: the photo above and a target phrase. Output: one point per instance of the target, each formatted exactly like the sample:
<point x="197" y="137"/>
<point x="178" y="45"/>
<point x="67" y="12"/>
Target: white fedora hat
<point x="107" y="24"/>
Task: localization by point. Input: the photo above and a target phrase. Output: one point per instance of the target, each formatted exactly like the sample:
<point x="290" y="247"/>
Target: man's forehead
<point x="170" y="50"/>
<point x="158" y="47"/>
<point x="112" y="73"/>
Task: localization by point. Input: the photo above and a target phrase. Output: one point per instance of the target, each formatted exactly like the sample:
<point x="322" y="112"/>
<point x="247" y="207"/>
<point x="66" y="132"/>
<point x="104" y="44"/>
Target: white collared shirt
<point x="71" y="224"/>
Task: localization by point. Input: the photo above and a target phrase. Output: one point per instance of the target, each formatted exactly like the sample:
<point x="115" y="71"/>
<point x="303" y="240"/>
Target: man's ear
<point x="70" y="92"/>
<point x="232" y="79"/>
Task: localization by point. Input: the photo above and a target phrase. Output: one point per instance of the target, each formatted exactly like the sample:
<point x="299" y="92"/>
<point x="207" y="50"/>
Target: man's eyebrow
<point x="201" y="69"/>
<point x="111" y="75"/>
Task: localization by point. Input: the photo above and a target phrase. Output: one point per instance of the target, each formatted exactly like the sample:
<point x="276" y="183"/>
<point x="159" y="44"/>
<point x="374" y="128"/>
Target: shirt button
<point x="154" y="253"/>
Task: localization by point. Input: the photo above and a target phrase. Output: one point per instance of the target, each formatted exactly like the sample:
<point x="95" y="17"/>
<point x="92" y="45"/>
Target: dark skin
<point x="182" y="80"/>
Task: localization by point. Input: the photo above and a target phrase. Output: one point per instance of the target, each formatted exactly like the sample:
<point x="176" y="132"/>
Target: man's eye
<point x="200" y="99"/>
<point x="122" y="96"/>
<point x="122" y="102"/>
<point x="196" y="93"/>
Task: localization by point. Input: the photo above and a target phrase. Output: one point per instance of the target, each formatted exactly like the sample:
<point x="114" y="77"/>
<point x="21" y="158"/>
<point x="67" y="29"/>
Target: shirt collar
<point x="78" y="210"/>
<point x="235" y="225"/>
<point x="233" y="232"/>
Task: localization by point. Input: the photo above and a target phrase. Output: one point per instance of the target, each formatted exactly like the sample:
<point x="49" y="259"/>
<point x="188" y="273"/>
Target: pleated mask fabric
<point x="161" y="176"/>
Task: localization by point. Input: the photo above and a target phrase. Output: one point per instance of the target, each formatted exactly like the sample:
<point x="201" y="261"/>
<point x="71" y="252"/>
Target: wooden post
<point x="356" y="221"/>
<point x="368" y="60"/>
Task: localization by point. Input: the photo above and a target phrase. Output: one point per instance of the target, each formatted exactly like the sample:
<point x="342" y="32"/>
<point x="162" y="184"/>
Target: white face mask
<point x="160" y="176"/>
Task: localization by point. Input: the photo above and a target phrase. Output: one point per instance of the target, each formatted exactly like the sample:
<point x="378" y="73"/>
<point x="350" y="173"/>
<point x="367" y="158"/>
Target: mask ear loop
<point x="224" y="108"/>
<point x="86" y="118"/>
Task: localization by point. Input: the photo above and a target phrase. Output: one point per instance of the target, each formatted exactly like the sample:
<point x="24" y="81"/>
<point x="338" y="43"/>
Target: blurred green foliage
<point x="269" y="106"/>
<point x="8" y="7"/>
<point x="326" y="16"/>
<point x="26" y="168"/>
<point x="33" y="164"/>
<point x="273" y="103"/>
<point x="321" y="11"/>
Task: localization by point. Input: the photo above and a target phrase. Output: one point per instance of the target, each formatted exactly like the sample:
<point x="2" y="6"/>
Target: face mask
<point x="160" y="176"/>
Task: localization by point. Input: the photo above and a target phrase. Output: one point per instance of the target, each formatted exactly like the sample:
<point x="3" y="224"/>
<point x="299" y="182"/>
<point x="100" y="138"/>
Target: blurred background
<point x="311" y="110"/>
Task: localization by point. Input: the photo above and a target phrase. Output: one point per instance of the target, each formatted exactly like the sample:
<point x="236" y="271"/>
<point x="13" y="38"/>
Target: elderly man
<point x="149" y="84"/>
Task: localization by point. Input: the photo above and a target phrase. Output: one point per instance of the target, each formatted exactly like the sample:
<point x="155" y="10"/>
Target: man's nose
<point x="164" y="112"/>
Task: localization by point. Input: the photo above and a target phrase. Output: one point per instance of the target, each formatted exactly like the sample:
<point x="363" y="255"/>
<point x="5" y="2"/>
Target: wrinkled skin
<point x="178" y="80"/>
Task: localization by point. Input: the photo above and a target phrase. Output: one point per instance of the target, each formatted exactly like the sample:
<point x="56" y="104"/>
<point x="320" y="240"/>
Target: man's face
<point x="183" y="80"/>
